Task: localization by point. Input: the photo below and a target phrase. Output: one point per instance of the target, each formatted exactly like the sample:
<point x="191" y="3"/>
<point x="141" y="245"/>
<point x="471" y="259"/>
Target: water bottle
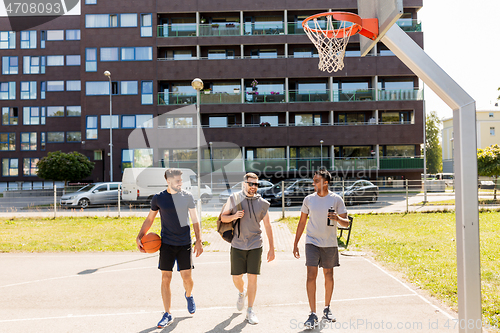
<point x="328" y="221"/>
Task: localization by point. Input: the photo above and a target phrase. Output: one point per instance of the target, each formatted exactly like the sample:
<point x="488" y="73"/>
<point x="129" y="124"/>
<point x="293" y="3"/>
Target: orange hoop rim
<point x="365" y="27"/>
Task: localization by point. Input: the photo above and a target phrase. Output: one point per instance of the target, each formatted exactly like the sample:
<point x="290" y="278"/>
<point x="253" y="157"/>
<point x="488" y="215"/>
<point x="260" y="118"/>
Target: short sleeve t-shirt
<point x="174" y="209"/>
<point x="318" y="232"/>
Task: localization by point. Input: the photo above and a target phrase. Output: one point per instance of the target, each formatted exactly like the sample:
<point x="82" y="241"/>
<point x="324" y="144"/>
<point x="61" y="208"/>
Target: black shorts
<point x="246" y="261"/>
<point x="169" y="254"/>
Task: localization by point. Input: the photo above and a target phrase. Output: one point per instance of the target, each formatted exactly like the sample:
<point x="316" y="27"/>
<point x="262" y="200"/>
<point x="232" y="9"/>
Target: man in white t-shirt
<point x="321" y="241"/>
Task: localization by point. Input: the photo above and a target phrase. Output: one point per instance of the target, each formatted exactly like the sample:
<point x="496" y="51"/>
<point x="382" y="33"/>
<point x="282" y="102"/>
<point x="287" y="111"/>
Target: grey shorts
<point x="325" y="257"/>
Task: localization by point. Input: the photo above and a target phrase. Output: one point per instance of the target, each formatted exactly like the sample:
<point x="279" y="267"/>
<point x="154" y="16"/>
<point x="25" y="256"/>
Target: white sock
<point x="250" y="308"/>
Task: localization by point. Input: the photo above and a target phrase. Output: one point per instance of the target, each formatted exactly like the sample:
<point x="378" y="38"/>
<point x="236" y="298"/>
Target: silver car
<point x="263" y="186"/>
<point x="92" y="194"/>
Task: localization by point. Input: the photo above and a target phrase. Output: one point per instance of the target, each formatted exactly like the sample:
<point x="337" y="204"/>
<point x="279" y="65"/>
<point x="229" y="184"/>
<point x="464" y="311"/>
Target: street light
<point x="197" y="84"/>
<point x="108" y="74"/>
<point x="321" y="145"/>
<point x="211" y="165"/>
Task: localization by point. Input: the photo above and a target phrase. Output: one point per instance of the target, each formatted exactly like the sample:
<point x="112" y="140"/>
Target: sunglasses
<point x="252" y="184"/>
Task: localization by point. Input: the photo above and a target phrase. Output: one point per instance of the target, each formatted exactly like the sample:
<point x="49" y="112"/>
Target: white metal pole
<point x="110" y="132"/>
<point x="466" y="197"/>
<point x="55" y="200"/>
<point x="119" y="197"/>
<point x="198" y="156"/>
<point x="282" y="199"/>
<point x="425" y="154"/>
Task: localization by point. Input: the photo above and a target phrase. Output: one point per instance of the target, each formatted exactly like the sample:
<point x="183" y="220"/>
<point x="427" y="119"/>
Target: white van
<point x="139" y="185"/>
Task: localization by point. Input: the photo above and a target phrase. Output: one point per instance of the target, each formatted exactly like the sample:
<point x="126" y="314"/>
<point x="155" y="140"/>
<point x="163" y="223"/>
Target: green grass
<point x="451" y="202"/>
<point x="75" y="234"/>
<point x="423" y="248"/>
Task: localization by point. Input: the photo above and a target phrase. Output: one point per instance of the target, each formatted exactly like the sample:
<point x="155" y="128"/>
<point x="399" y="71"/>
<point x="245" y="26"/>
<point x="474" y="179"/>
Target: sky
<point x="463" y="38"/>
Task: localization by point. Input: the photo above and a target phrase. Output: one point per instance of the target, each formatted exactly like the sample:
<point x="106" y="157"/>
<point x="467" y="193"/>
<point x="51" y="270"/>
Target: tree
<point x="59" y="166"/>
<point x="434" y="159"/>
<point x="488" y="164"/>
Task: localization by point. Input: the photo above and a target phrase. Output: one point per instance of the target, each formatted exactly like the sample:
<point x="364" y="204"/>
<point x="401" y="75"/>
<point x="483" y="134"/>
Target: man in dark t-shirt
<point x="174" y="204"/>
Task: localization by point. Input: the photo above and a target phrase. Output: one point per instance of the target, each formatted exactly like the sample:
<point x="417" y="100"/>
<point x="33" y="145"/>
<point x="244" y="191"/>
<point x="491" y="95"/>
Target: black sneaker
<point x="312" y="322"/>
<point x="328" y="316"/>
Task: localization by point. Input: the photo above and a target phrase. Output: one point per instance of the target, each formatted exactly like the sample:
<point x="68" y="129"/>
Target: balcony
<point x="220" y="29"/>
<point x="294" y="96"/>
<point x="177" y="30"/>
<point x="303" y="164"/>
<point x="409" y="25"/>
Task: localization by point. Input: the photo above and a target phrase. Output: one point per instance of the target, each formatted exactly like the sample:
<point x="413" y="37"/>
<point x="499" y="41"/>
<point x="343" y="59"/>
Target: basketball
<point x="151" y="242"/>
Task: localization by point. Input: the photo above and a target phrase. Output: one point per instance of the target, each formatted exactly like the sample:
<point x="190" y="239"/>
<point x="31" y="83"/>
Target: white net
<point x="331" y="41"/>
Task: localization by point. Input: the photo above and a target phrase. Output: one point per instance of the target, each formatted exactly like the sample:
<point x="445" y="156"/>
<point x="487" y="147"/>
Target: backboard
<point x="386" y="11"/>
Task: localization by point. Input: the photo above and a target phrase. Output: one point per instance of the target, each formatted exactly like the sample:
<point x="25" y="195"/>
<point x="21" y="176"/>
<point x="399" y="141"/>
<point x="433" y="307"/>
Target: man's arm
<point x="340" y="218"/>
<point x="198" y="245"/>
<point x="300" y="230"/>
<point x="146" y="225"/>
<point x="269" y="233"/>
<point x="226" y="215"/>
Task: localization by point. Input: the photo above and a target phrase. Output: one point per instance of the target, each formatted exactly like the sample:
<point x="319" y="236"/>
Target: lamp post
<point x="211" y="165"/>
<point x="321" y="149"/>
<point x="108" y="74"/>
<point x="197" y="84"/>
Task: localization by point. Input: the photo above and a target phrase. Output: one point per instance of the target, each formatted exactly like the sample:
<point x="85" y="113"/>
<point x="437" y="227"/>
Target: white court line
<point x="214" y="308"/>
<point x="413" y="291"/>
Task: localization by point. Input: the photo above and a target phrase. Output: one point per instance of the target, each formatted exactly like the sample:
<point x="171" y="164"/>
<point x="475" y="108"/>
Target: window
<point x="272" y="120"/>
<point x="73" y="111"/>
<point x="97" y="21"/>
<point x="7" y="90"/>
<point x="9" y="116"/>
<point x="34" y="65"/>
<point x="95" y="88"/>
<point x="183" y="55"/>
<point x="7" y="141"/>
<point x="137" y="158"/>
<point x="55" y="137"/>
<point x="128" y="88"/>
<point x="105" y="122"/>
<point x="73" y="136"/>
<point x="55" y="35"/>
<point x="7" y="40"/>
<point x="128" y="121"/>
<point x="73" y="34"/>
<point x="28" y="39"/>
<point x="137" y="53"/>
<point x="217" y="121"/>
<point x="179" y="122"/>
<point x="43" y="88"/>
<point x="43" y="35"/>
<point x="91" y="128"/>
<point x="113" y="20"/>
<point x="307" y="120"/>
<point x="55" y="60"/>
<point x="91" y="60"/>
<point x="144" y="121"/>
<point x="9" y="65"/>
<point x="128" y="20"/>
<point x="55" y="111"/>
<point x="55" y="85"/>
<point x="97" y="155"/>
<point x="491" y="115"/>
<point x="33" y="115"/>
<point x="147" y="92"/>
<point x="492" y="130"/>
<point x="265" y="53"/>
<point x="10" y="167"/>
<point x="110" y="54"/>
<point x="215" y="54"/>
<point x="73" y="60"/>
<point x="91" y="2"/>
<point x="28" y="141"/>
<point x="42" y="140"/>
<point x="73" y="85"/>
<point x="28" y="90"/>
<point x="400" y="150"/>
<point x="30" y="166"/>
<point x="146" y="25"/>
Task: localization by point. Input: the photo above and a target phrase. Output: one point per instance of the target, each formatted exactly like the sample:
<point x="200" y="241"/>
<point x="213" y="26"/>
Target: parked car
<point x="263" y="186"/>
<point x="295" y="191"/>
<point x="359" y="191"/>
<point x="92" y="194"/>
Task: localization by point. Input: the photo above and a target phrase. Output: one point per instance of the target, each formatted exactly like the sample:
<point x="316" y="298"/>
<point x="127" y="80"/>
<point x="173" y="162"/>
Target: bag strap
<point x="238" y="207"/>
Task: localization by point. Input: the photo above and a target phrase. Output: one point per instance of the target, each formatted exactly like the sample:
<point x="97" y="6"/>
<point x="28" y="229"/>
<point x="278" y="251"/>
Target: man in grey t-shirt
<point x="246" y="246"/>
<point x="321" y="241"/>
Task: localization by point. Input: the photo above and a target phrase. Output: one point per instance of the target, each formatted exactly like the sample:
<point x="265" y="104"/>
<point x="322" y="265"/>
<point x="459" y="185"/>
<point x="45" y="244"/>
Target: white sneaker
<point x="252" y="318"/>
<point x="240" y="304"/>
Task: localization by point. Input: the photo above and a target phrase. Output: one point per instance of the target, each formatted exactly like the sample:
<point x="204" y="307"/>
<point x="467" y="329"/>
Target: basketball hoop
<point x="331" y="41"/>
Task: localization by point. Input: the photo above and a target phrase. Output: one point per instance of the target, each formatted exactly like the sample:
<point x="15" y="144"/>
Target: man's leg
<point x="328" y="272"/>
<point x="187" y="281"/>
<point x="238" y="282"/>
<point x="251" y="289"/>
<point x="166" y="278"/>
<point x="312" y="273"/>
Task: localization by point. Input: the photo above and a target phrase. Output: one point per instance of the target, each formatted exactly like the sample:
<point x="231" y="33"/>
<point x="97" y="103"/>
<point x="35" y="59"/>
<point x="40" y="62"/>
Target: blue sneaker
<point x="191" y="305"/>
<point x="166" y="320"/>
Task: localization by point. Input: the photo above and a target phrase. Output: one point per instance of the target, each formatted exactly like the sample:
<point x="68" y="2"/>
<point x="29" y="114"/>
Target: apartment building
<point x="263" y="93"/>
<point x="487" y="127"/>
